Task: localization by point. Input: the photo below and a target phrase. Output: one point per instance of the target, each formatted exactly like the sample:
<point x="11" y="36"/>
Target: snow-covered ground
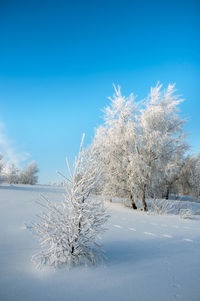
<point x="149" y="257"/>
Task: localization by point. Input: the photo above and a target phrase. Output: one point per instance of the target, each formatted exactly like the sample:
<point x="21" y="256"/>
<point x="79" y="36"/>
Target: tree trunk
<point x="167" y="193"/>
<point x="133" y="202"/>
<point x="79" y="224"/>
<point x="143" y="198"/>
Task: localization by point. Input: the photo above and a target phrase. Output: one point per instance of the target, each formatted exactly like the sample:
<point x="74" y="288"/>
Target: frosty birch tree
<point x="172" y="173"/>
<point x="159" y="138"/>
<point x="2" y="166"/>
<point x="189" y="180"/>
<point x="114" y="141"/>
<point x="138" y="149"/>
<point x="69" y="230"/>
<point x="13" y="174"/>
<point x="29" y="174"/>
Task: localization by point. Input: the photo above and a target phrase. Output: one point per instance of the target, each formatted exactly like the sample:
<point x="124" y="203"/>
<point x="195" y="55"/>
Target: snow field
<point x="148" y="257"/>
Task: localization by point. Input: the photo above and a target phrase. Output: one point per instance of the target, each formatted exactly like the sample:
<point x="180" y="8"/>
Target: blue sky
<point x="58" y="60"/>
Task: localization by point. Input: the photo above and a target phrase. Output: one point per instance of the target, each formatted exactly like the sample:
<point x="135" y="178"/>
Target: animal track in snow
<point x="117" y="226"/>
<point x="167" y="235"/>
<point x="132" y="229"/>
<point x="150" y="234"/>
<point x="188" y="239"/>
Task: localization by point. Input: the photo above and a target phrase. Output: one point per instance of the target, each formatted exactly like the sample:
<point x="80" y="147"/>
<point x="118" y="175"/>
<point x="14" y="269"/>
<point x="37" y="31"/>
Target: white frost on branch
<point x="69" y="230"/>
<point x="141" y="148"/>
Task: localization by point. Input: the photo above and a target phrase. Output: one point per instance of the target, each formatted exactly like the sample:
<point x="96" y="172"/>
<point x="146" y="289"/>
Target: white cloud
<point x="8" y="149"/>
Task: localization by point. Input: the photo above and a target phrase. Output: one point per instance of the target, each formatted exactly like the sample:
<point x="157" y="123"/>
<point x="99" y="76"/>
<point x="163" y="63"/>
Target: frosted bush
<point x="69" y="230"/>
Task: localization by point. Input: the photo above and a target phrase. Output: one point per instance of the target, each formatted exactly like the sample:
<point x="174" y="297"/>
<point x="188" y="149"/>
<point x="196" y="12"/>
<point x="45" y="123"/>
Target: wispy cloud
<point x="9" y="150"/>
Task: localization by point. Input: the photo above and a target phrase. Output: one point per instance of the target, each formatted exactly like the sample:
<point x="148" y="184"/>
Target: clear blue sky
<point x="58" y="60"/>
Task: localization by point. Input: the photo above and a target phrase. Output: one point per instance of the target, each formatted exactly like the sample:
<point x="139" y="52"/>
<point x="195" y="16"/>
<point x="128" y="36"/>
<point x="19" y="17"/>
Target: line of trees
<point x="142" y="148"/>
<point x="13" y="175"/>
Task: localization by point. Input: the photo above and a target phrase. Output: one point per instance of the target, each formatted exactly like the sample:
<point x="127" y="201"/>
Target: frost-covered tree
<point x="114" y="142"/>
<point x="1" y="162"/>
<point x="159" y="139"/>
<point x="12" y="174"/>
<point x="138" y="148"/>
<point x="1" y="165"/>
<point x="172" y="173"/>
<point x="29" y="174"/>
<point x="164" y="179"/>
<point x="69" y="230"/>
<point x="189" y="180"/>
<point x="2" y="169"/>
